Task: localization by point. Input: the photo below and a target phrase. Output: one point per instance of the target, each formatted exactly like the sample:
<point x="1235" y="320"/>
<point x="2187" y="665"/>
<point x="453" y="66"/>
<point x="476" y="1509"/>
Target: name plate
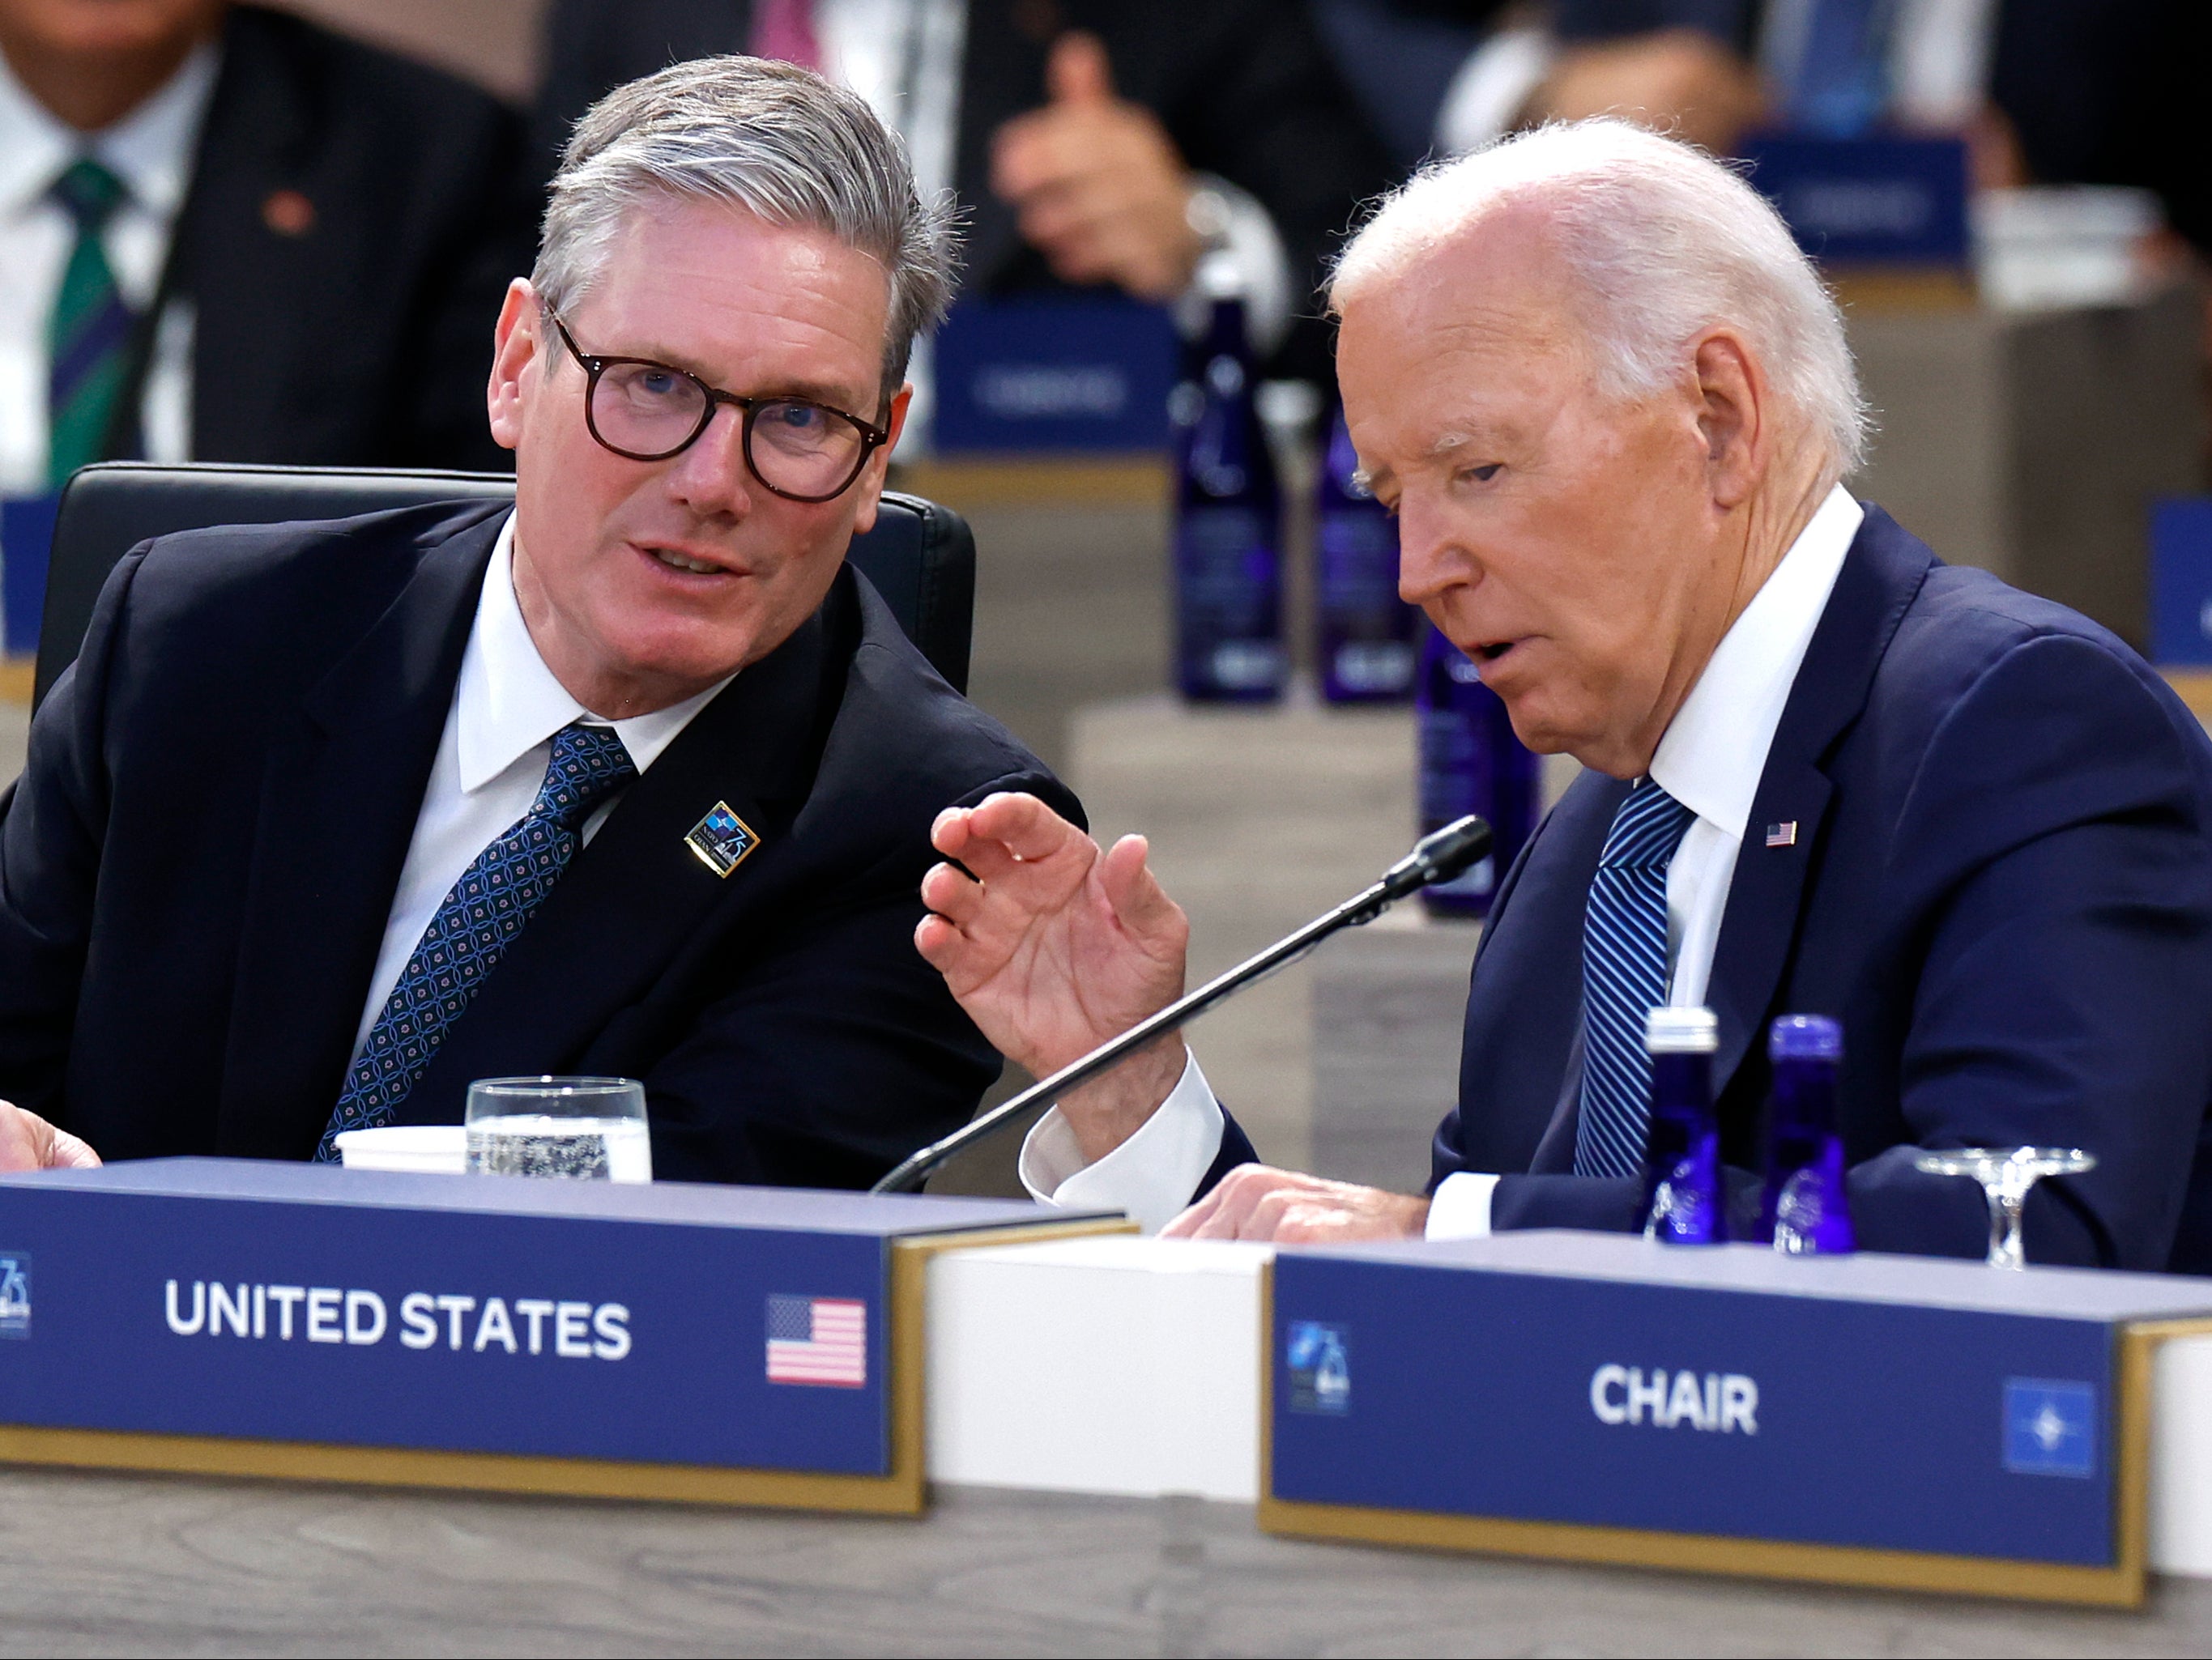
<point x="732" y="1344"/>
<point x="1886" y="201"/>
<point x="1055" y="372"/>
<point x="1873" y="1419"/>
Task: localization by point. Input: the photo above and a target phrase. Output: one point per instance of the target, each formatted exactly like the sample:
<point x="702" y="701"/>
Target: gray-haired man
<point x="329" y="819"/>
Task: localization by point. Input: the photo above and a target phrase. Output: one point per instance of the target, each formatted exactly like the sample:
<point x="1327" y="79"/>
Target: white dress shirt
<point x="491" y="762"/>
<point x="1711" y="759"/>
<point x="150" y="151"/>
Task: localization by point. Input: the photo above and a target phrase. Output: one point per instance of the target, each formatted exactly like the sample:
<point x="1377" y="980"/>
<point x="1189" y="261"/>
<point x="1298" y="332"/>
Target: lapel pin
<point x="288" y="213"/>
<point x="1784" y="834"/>
<point x="721" y="839"/>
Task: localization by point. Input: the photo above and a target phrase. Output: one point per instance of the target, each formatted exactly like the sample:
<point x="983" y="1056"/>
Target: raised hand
<point x="1100" y="190"/>
<point x="27" y="1142"/>
<point x="1052" y="947"/>
<point x="1257" y="1202"/>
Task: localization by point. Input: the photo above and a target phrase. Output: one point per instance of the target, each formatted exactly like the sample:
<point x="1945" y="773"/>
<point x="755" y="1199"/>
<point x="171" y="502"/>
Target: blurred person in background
<point x="1093" y="143"/>
<point x="2053" y="92"/>
<point x="229" y="234"/>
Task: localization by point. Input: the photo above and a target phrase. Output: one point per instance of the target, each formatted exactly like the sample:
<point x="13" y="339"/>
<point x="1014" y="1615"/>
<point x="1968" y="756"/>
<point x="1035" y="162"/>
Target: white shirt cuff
<point x="1256" y="248"/>
<point x="1461" y="1209"/>
<point x="1150" y="1177"/>
<point x="1491" y="88"/>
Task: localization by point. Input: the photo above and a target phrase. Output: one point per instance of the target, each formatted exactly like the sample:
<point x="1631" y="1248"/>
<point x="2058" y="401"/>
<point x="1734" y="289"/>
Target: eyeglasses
<point x="648" y="411"/>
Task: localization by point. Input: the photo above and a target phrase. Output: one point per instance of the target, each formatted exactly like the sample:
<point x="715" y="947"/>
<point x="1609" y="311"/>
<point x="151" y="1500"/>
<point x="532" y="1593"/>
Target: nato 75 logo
<point x="14" y="1294"/>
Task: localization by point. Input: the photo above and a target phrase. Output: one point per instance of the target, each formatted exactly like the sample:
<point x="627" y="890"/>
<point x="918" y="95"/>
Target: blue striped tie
<point x="1625" y="978"/>
<point x="88" y="334"/>
<point x="475" y="924"/>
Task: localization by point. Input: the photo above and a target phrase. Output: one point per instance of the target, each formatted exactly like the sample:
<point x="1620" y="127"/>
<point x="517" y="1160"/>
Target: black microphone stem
<point x="1438" y="857"/>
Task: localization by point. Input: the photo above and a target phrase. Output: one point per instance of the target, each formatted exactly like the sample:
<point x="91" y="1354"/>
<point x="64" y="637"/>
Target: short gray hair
<point x="781" y="143"/>
<point x="1662" y="241"/>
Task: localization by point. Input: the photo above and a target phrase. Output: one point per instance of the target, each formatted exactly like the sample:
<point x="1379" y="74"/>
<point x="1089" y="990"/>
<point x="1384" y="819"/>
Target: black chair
<point x="922" y="557"/>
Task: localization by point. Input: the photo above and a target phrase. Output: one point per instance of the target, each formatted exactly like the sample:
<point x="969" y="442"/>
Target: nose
<point x="710" y="477"/>
<point x="1430" y="558"/>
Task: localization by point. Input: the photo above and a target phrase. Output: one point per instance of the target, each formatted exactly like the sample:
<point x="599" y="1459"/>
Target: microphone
<point x="1438" y="857"/>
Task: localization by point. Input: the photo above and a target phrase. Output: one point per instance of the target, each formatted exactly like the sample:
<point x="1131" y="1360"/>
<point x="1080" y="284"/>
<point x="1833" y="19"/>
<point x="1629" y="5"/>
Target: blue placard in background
<point x="1868" y="201"/>
<point x="26" y="540"/>
<point x="718" y="1327"/>
<point x="2181" y="580"/>
<point x="1614" y="1382"/>
<point x="1055" y="372"/>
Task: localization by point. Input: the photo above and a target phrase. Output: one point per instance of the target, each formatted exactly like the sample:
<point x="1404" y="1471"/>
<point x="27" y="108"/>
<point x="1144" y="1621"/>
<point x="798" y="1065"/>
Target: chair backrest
<point x="922" y="557"/>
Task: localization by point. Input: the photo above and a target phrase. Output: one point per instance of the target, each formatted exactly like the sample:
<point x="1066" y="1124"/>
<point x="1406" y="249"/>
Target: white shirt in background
<point x="151" y="151"/>
<point x="1711" y="760"/>
<point x="491" y="762"/>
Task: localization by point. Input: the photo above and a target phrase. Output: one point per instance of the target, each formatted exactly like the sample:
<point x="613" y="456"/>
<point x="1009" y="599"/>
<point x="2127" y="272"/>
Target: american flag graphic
<point x="817" y="1340"/>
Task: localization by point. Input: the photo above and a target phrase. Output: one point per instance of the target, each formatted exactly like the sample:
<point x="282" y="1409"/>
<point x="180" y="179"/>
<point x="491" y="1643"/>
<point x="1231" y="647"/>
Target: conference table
<point x="1100" y="1459"/>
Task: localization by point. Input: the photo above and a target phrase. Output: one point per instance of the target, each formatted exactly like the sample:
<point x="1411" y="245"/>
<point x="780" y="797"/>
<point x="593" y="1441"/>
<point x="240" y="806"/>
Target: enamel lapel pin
<point x="1784" y="834"/>
<point x="721" y="839"/>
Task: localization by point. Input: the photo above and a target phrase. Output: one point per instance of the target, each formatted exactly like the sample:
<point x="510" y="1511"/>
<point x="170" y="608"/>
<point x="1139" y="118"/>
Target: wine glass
<point x="2006" y="1174"/>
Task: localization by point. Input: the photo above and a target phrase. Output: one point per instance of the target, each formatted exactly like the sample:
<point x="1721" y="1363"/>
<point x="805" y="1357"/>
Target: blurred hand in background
<point x="1099" y="186"/>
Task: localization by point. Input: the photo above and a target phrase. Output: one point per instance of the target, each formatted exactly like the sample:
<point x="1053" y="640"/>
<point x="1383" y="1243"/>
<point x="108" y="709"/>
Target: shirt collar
<point x="150" y="149"/>
<point x="1713" y="754"/>
<point x="510" y="702"/>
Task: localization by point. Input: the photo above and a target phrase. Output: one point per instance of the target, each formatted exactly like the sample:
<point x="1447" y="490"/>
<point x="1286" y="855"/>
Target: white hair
<point x="1662" y="242"/>
<point x="779" y="142"/>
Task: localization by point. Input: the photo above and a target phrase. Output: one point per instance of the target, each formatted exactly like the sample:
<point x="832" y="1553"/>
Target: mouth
<point x="683" y="561"/>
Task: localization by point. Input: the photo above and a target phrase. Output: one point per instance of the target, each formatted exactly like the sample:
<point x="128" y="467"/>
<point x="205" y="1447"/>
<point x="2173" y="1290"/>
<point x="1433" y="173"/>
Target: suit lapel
<point x="1880" y="574"/>
<point x="637" y="892"/>
<point x="339" y="801"/>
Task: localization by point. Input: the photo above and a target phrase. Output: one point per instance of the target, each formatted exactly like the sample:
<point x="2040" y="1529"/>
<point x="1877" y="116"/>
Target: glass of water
<point x="578" y="1129"/>
<point x="2008" y="1175"/>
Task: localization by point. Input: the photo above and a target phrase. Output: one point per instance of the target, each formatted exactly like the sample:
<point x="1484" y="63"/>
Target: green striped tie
<point x="89" y="341"/>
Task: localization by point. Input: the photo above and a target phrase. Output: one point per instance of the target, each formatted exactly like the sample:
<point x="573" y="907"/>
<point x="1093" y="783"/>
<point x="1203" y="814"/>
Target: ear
<point x="868" y="494"/>
<point x="1733" y="402"/>
<point x="514" y="349"/>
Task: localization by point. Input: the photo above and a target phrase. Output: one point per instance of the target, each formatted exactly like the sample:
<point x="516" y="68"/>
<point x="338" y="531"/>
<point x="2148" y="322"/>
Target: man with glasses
<point x="329" y="819"/>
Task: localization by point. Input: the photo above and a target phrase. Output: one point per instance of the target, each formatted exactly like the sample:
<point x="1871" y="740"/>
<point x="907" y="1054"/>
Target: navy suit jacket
<point x="198" y="863"/>
<point x="2001" y="883"/>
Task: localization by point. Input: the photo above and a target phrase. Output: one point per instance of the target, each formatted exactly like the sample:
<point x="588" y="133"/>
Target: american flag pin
<point x="1784" y="834"/>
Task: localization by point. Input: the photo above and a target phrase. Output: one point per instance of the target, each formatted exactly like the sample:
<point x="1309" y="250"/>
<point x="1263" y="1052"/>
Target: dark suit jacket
<point x="359" y="332"/>
<point x="2001" y="884"/>
<point x="198" y="863"/>
<point x="1243" y="87"/>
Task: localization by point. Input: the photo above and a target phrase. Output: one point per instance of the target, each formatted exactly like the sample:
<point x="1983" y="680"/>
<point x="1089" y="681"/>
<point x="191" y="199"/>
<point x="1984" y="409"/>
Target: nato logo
<point x="721" y="839"/>
<point x="1320" y="1376"/>
<point x="2050" y="1428"/>
<point x="14" y="1294"/>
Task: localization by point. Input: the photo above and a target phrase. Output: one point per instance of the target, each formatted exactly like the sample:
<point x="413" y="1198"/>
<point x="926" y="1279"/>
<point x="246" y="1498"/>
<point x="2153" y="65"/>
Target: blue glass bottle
<point x="1229" y="516"/>
<point x="1366" y="632"/>
<point x="1470" y="762"/>
<point x="1685" y="1198"/>
<point x="1804" y="1209"/>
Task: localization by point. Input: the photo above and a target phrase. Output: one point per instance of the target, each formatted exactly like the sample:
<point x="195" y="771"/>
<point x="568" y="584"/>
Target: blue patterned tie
<point x="474" y="926"/>
<point x="1625" y="978"/>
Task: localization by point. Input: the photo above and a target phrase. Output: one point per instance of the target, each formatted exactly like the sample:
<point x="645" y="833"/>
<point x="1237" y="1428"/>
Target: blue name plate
<point x="1055" y="372"/>
<point x="729" y="1329"/>
<point x="1880" y="1420"/>
<point x="1868" y="200"/>
<point x="26" y="540"/>
<point x="2181" y="580"/>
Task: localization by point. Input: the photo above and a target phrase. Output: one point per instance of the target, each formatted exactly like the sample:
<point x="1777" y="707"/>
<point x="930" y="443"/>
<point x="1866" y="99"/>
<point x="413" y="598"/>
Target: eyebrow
<point x="808" y="391"/>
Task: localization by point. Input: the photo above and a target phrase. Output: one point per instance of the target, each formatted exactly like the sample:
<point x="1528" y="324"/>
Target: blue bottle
<point x="1685" y="1200"/>
<point x="1228" y="516"/>
<point x="1366" y="631"/>
<point x="1805" y="1209"/>
<point x="1470" y="762"/>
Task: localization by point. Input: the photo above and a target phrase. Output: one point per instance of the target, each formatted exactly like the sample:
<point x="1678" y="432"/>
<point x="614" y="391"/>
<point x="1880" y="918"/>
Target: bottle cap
<point x="1805" y="1038"/>
<point x="1682" y="1032"/>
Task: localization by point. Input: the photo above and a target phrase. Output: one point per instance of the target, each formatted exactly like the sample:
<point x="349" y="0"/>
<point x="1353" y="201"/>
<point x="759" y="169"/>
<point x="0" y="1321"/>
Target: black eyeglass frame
<point x="872" y="437"/>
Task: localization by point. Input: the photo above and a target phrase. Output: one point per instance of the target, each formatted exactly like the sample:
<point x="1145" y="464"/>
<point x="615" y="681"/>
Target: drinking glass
<point x="577" y="1129"/>
<point x="2006" y="1174"/>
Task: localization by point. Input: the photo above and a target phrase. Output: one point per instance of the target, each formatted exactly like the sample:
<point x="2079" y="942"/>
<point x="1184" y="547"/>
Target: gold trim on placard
<point x="902" y="1492"/>
<point x="2120" y="1586"/>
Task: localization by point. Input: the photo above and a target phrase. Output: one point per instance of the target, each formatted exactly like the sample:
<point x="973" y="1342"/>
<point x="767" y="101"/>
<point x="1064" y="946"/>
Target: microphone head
<point x="1438" y="856"/>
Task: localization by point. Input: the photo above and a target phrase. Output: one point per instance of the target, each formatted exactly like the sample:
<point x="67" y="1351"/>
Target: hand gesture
<point x="1100" y="188"/>
<point x="27" y="1142"/>
<point x="1052" y="947"/>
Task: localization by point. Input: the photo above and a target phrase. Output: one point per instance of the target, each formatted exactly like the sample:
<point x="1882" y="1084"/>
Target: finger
<point x="941" y="944"/>
<point x="952" y="894"/>
<point x="72" y="1153"/>
<point x="1186" y="1226"/>
<point x="1139" y="902"/>
<point x="1079" y="71"/>
<point x="19" y="1147"/>
<point x="1025" y="826"/>
<point x="951" y="832"/>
